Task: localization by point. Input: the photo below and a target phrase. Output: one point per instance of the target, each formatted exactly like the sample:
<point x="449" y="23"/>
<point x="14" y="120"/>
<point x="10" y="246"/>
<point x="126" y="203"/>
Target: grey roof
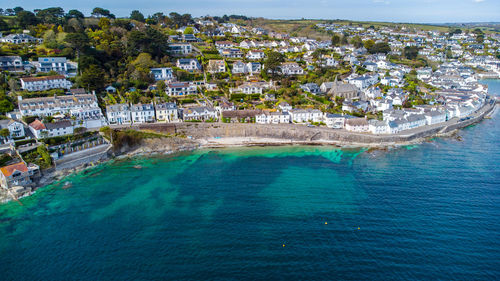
<point x="167" y="105"/>
<point x="52" y="59"/>
<point x="117" y="107"/>
<point x="57" y="125"/>
<point x="9" y="58"/>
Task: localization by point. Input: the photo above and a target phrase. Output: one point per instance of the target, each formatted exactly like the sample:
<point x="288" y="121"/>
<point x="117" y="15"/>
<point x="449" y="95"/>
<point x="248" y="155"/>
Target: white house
<point x="334" y="121"/>
<point x="49" y="106"/>
<point x="180" y="48"/>
<point x="167" y="112"/>
<point x="357" y="125"/>
<point x="118" y="114"/>
<point x="291" y="68"/>
<point x="162" y="73"/>
<point x="142" y="113"/>
<point x="378" y="127"/>
<point x="57" y="64"/>
<point x="305" y="115"/>
<point x="180" y="89"/>
<point x="16" y="128"/>
<point x="272" y="117"/>
<point x="255" y="55"/>
<point x="188" y="64"/>
<point x="200" y="113"/>
<point x="435" y="117"/>
<point x="44" y="83"/>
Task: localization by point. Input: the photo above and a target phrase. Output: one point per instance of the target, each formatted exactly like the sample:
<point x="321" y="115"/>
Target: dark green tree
<point x="75" y="14"/>
<point x="93" y="78"/>
<point x="335" y="40"/>
<point x="26" y="18"/>
<point x="136" y="15"/>
<point x="273" y="61"/>
<point x="410" y="52"/>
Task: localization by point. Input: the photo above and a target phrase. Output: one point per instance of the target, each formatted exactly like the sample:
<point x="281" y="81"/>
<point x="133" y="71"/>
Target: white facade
<point x="306" y="115"/>
<point x="167" y="112"/>
<point x="142" y="113"/>
<point x="118" y="114"/>
<point x="44" y="83"/>
<point x="162" y="73"/>
<point x="180" y="89"/>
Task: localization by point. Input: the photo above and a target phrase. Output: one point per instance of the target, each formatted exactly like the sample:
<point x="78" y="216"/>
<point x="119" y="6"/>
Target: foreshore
<point x="217" y="135"/>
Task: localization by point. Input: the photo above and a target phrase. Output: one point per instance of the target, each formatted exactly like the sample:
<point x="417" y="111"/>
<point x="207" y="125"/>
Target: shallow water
<point x="429" y="211"/>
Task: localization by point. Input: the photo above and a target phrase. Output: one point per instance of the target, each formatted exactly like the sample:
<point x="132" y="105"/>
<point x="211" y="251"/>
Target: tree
<point x="381" y="47"/>
<point x="3" y="25"/>
<point x="357" y="42"/>
<point x="26" y="18"/>
<point x="335" y="40"/>
<point x="368" y="44"/>
<point x="136" y="15"/>
<point x="188" y="30"/>
<point x="100" y="12"/>
<point x="410" y="52"/>
<point x="77" y="41"/>
<point x="75" y="14"/>
<point x="93" y="78"/>
<point x="273" y="61"/>
<point x="6" y="106"/>
<point x="51" y="15"/>
<point x="18" y="9"/>
<point x="150" y="41"/>
<point x="44" y="154"/>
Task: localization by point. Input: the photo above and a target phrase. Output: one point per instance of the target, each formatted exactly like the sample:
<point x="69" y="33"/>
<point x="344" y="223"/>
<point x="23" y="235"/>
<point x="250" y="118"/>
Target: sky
<point x="415" y="11"/>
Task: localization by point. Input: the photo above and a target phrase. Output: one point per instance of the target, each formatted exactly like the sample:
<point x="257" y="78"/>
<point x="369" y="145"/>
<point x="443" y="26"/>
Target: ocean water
<point x="423" y="212"/>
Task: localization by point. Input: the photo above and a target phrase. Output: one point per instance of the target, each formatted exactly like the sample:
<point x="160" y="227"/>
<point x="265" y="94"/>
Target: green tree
<point x="6" y="106"/>
<point x="93" y="78"/>
<point x="410" y="52"/>
<point x="273" y="61"/>
<point x="100" y="12"/>
<point x="356" y="41"/>
<point x="75" y="14"/>
<point x="368" y="44"/>
<point x="335" y="40"/>
<point x="26" y="18"/>
<point x="188" y="30"/>
<point x="381" y="47"/>
<point x="5" y="133"/>
<point x="77" y="41"/>
<point x="136" y="15"/>
<point x="44" y="154"/>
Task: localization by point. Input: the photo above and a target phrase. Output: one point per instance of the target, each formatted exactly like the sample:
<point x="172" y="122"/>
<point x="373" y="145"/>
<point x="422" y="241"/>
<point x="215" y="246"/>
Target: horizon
<point x="393" y="11"/>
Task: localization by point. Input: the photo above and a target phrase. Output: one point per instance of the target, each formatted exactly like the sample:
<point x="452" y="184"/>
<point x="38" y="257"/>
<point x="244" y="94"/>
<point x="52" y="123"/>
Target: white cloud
<point x="478" y="1"/>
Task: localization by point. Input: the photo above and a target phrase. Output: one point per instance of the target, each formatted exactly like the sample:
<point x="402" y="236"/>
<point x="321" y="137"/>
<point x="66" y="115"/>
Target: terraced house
<point x="45" y="83"/>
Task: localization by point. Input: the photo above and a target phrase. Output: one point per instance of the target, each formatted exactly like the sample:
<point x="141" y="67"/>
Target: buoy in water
<point x="283" y="245"/>
<point x="326" y="222"/>
<point x="358" y="228"/>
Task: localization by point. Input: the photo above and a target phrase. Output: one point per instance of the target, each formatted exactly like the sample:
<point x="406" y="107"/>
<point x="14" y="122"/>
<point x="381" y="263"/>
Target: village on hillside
<point x="65" y="76"/>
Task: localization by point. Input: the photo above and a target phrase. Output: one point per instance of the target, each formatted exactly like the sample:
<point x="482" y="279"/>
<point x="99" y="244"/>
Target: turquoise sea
<point x="424" y="212"/>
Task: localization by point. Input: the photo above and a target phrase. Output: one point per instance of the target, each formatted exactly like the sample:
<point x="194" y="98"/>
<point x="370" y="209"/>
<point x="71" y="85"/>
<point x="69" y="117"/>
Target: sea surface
<point x="423" y="212"/>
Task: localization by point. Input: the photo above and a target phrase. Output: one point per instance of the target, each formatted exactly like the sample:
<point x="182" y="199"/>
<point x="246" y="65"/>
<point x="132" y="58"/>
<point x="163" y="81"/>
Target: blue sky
<point x="428" y="11"/>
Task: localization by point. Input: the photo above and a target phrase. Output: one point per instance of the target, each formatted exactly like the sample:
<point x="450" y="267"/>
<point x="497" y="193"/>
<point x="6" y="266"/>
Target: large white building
<point x="45" y="83"/>
<point x="49" y="106"/>
<point x="142" y="113"/>
<point x="162" y="73"/>
<point x="272" y="117"/>
<point x="180" y="48"/>
<point x="57" y="64"/>
<point x="306" y="115"/>
<point x="167" y="112"/>
<point x="118" y="114"/>
<point x="180" y="89"/>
